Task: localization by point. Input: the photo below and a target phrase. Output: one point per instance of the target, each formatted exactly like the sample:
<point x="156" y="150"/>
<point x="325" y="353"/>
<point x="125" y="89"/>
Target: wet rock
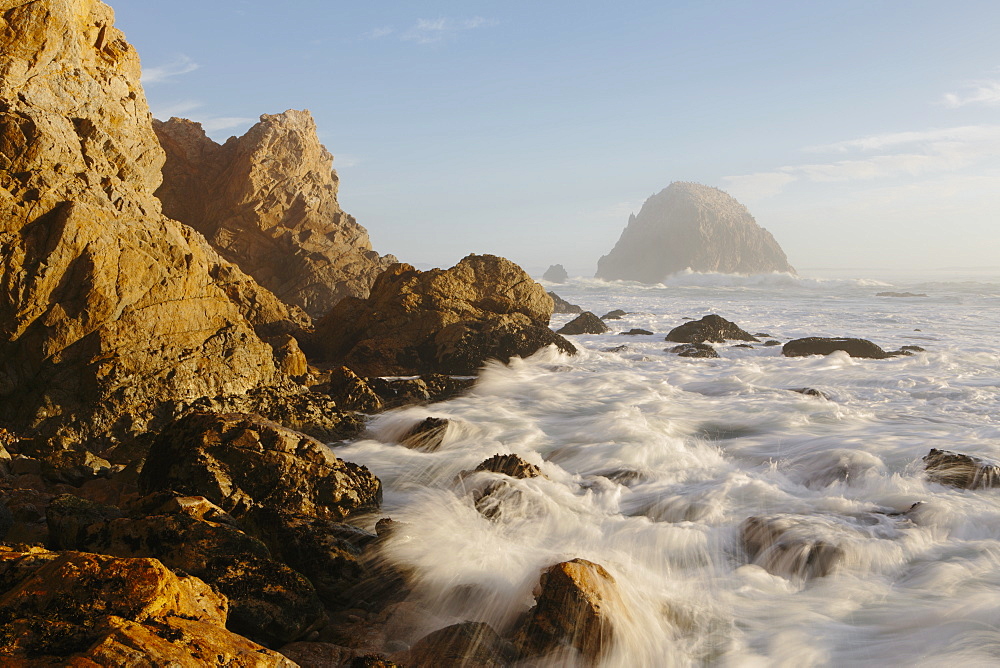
<point x="373" y="661"/>
<point x="616" y="349"/>
<point x="426" y="435"/>
<point x="694" y="350"/>
<point x="351" y="392"/>
<point x="267" y="202"/>
<point x="900" y="294"/>
<point x="242" y="461"/>
<point x="913" y="349"/>
<point x="555" y="274"/>
<point x="772" y="342"/>
<point x="712" y="328"/>
<point x="439" y="321"/>
<point x="635" y="332"/>
<point x="85" y="609"/>
<point x="617" y="314"/>
<point x="963" y="471"/>
<point x="585" y="323"/>
<point x="811" y="392"/>
<point x="743" y="345"/>
<point x="818" y="470"/>
<point x="575" y="603"/>
<point x="563" y="306"/>
<point x="465" y="644"/>
<point x="815" y="345"/>
<point x="510" y="465"/>
<point x="441" y="387"/>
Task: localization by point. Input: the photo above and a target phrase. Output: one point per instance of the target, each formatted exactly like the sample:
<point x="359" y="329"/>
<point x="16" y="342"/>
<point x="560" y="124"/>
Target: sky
<point x="861" y="134"/>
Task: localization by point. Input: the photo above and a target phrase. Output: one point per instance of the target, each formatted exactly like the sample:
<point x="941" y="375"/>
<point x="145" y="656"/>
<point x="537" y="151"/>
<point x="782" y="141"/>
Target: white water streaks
<point x="653" y="465"/>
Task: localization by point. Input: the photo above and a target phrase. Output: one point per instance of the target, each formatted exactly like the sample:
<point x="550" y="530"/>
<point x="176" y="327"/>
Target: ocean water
<point x="653" y="463"/>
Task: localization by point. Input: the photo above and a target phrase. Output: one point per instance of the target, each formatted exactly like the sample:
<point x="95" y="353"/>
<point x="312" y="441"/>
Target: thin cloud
<point x="901" y="155"/>
<point x="180" y="65"/>
<point x="379" y="33"/>
<point x="978" y="92"/>
<point x="431" y="31"/>
<point x="179" y="109"/>
<point x="225" y="122"/>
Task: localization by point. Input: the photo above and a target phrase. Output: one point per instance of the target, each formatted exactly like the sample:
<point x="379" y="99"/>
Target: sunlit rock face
<point x="108" y="309"/>
<point x="691" y="226"/>
<point x="267" y="201"/>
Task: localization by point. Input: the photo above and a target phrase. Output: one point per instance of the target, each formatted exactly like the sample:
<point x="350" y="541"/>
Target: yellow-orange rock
<point x="267" y="201"/>
<point x="108" y="309"/>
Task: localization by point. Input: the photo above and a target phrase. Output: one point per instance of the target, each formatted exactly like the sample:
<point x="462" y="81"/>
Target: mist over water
<point x="653" y="462"/>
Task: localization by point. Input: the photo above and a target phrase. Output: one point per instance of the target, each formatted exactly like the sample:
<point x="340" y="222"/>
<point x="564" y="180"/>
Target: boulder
<point x="439" y="321"/>
<point x="585" y="323"/>
<point x="465" y="644"/>
<point x="563" y="306"/>
<point x="691" y="226"/>
<point x="711" y="328"/>
<point x="426" y="435"/>
<point x="963" y="471"/>
<point x="815" y="345"/>
<point x="510" y="465"/>
<point x="109" y="309"/>
<point x="635" y="332"/>
<point x="695" y="350"/>
<point x="267" y="202"/>
<point x="575" y="602"/>
<point x="243" y="461"/>
<point x="555" y="274"/>
<point x="617" y="314"/>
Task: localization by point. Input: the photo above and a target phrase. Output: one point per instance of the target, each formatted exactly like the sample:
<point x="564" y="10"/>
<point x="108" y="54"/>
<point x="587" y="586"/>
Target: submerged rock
<point x="465" y="644"/>
<point x="963" y="471"/>
<point x="575" y="603"/>
<point x="815" y="345"/>
<point x="691" y="226"/>
<point x="636" y="332"/>
<point x="900" y="294"/>
<point x="617" y="314"/>
<point x="444" y="321"/>
<point x="426" y="435"/>
<point x="712" y="328"/>
<point x="563" y="306"/>
<point x="510" y="465"/>
<point x="695" y="350"/>
<point x="585" y="323"/>
<point x="267" y="201"/>
<point x="242" y="461"/>
<point x="555" y="274"/>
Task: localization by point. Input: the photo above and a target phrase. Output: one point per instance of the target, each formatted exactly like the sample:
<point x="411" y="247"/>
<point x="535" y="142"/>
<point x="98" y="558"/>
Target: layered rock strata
<point x="267" y="201"/>
<point x="691" y="226"/>
<point x="443" y="321"/>
<point x="108" y="309"/>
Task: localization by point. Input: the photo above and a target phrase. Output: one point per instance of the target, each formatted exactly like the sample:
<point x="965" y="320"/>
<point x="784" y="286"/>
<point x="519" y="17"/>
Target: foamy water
<point x="652" y="462"/>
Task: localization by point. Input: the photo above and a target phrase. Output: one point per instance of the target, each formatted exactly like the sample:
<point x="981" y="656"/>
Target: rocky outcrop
<point x="563" y="306"/>
<point x="444" y="321"/>
<point x="108" y="308"/>
<point x="585" y="323"/>
<point x="958" y="470"/>
<point x="242" y="461"/>
<point x="815" y="345"/>
<point x="555" y="274"/>
<point x="267" y="201"/>
<point x="691" y="226"/>
<point x="712" y="328"/>
<point x="73" y="608"/>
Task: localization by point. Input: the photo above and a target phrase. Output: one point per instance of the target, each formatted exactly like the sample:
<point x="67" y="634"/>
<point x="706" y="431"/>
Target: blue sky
<point x="861" y="134"/>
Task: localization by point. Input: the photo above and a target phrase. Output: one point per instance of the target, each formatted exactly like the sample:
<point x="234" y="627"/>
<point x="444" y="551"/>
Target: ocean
<point x="652" y="464"/>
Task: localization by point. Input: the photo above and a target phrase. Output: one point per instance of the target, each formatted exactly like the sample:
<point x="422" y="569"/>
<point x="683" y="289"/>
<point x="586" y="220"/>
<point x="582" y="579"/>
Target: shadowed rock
<point x="815" y="345"/>
<point x="426" y="435"/>
<point x="585" y="323"/>
<point x="711" y="328"/>
<point x="963" y="471"/>
<point x="444" y="321"/>
<point x="688" y="225"/>
<point x="465" y="644"/>
<point x="511" y="465"/>
<point x="563" y="306"/>
<point x="695" y="350"/>
<point x="617" y="314"/>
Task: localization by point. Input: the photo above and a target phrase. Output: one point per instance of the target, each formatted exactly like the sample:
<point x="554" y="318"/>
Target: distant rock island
<point x="691" y="226"/>
<point x="555" y="274"/>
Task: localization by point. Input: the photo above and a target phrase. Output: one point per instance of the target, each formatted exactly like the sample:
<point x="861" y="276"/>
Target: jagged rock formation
<point x="688" y="225"/>
<point x="585" y="323"/>
<point x="267" y="201"/>
<point x="441" y="321"/>
<point x="556" y="273"/>
<point x="108" y="309"/>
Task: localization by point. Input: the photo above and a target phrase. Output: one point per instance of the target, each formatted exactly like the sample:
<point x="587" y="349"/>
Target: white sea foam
<point x="652" y="463"/>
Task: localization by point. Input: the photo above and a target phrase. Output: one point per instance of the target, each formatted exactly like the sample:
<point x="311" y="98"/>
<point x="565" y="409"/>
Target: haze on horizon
<point x="862" y="135"/>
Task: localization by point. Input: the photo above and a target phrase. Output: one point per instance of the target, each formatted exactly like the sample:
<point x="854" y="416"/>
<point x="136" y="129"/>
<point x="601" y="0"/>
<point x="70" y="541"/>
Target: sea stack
<point x="267" y="202"/>
<point x="691" y="226"/>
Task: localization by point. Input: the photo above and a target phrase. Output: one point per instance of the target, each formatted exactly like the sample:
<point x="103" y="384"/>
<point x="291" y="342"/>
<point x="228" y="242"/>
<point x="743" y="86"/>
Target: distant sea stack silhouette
<point x="688" y="225"/>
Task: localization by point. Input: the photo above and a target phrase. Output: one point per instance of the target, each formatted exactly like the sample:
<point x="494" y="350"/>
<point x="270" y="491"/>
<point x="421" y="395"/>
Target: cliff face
<point x="688" y="225"/>
<point x="107" y="307"/>
<point x="267" y="201"/>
